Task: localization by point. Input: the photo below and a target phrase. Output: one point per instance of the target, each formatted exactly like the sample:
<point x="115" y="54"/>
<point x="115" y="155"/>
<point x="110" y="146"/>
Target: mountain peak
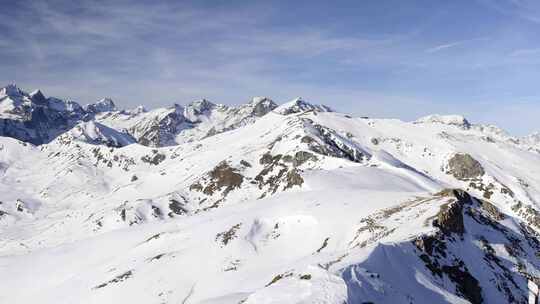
<point x="261" y="105"/>
<point x="201" y="105"/>
<point x="260" y="99"/>
<point x="103" y="105"/>
<point x="198" y="108"/>
<point x="38" y="97"/>
<point x="299" y="105"/>
<point x="453" y="120"/>
<point x="10" y="90"/>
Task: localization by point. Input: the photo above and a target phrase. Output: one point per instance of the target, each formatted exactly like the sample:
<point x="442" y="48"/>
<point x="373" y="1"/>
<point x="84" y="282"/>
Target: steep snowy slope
<point x="95" y="133"/>
<point x="288" y="204"/>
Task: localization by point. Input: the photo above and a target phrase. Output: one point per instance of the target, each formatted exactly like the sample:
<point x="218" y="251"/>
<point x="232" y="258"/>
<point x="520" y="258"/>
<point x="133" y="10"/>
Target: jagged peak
<point x="36" y="93"/>
<point x="299" y="105"/>
<point x="201" y="105"/>
<point x="60" y="105"/>
<point x="454" y="120"/>
<point x="103" y="105"/>
<point x="198" y="108"/>
<point x="260" y="106"/>
<point x="38" y="97"/>
<point x="260" y="99"/>
<point x="11" y="90"/>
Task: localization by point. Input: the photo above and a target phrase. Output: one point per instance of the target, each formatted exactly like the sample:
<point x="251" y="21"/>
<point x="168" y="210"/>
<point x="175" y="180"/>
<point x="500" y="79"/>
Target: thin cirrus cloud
<point x="366" y="59"/>
<point x="524" y="9"/>
<point x="446" y="46"/>
<point x="525" y="52"/>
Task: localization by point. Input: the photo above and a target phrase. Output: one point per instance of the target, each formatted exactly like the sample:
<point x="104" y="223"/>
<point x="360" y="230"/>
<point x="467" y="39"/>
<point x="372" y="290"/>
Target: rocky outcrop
<point x="325" y="141"/>
<point x="528" y="213"/>
<point x="223" y="179"/>
<point x="450" y="216"/>
<point x="442" y="253"/>
<point x="464" y="167"/>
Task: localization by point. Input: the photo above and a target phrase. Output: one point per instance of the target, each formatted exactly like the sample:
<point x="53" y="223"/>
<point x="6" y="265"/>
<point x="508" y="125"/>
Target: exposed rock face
<point x="443" y="255"/>
<point x="301" y="157"/>
<point x="38" y="97"/>
<point x="467" y="285"/>
<point x="155" y="158"/>
<point x="176" y="207"/>
<point x="226" y="237"/>
<point x="531" y="215"/>
<point x="450" y="217"/>
<point x="492" y="210"/>
<point x="463" y="167"/>
<point x="294" y="179"/>
<point x="278" y="174"/>
<point x="325" y="141"/>
<point x="223" y="177"/>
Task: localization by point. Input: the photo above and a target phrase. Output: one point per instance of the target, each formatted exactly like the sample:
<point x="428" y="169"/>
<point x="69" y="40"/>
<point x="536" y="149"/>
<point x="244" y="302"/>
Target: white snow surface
<point x="219" y="219"/>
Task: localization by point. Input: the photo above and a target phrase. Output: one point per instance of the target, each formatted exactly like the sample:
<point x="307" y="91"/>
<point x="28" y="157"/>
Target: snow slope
<point x="288" y="204"/>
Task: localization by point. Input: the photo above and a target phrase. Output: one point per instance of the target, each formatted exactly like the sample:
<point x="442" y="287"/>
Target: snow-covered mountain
<point x="35" y="118"/>
<point x="178" y="124"/>
<point x="260" y="203"/>
<point x="95" y="133"/>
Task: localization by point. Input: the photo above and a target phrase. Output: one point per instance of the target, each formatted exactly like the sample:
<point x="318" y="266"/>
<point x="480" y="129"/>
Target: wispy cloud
<point x="182" y="48"/>
<point x="524" y="9"/>
<point x="525" y="52"/>
<point x="443" y="47"/>
<point x="454" y="44"/>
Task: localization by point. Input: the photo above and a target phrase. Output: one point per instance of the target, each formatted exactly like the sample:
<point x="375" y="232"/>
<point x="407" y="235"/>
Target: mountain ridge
<point x="192" y="112"/>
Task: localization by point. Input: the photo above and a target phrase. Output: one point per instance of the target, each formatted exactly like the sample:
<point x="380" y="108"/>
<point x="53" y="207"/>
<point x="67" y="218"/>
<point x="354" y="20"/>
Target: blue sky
<point x="400" y="59"/>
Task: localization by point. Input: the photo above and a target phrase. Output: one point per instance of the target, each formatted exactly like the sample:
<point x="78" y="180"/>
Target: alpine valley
<point x="261" y="203"/>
